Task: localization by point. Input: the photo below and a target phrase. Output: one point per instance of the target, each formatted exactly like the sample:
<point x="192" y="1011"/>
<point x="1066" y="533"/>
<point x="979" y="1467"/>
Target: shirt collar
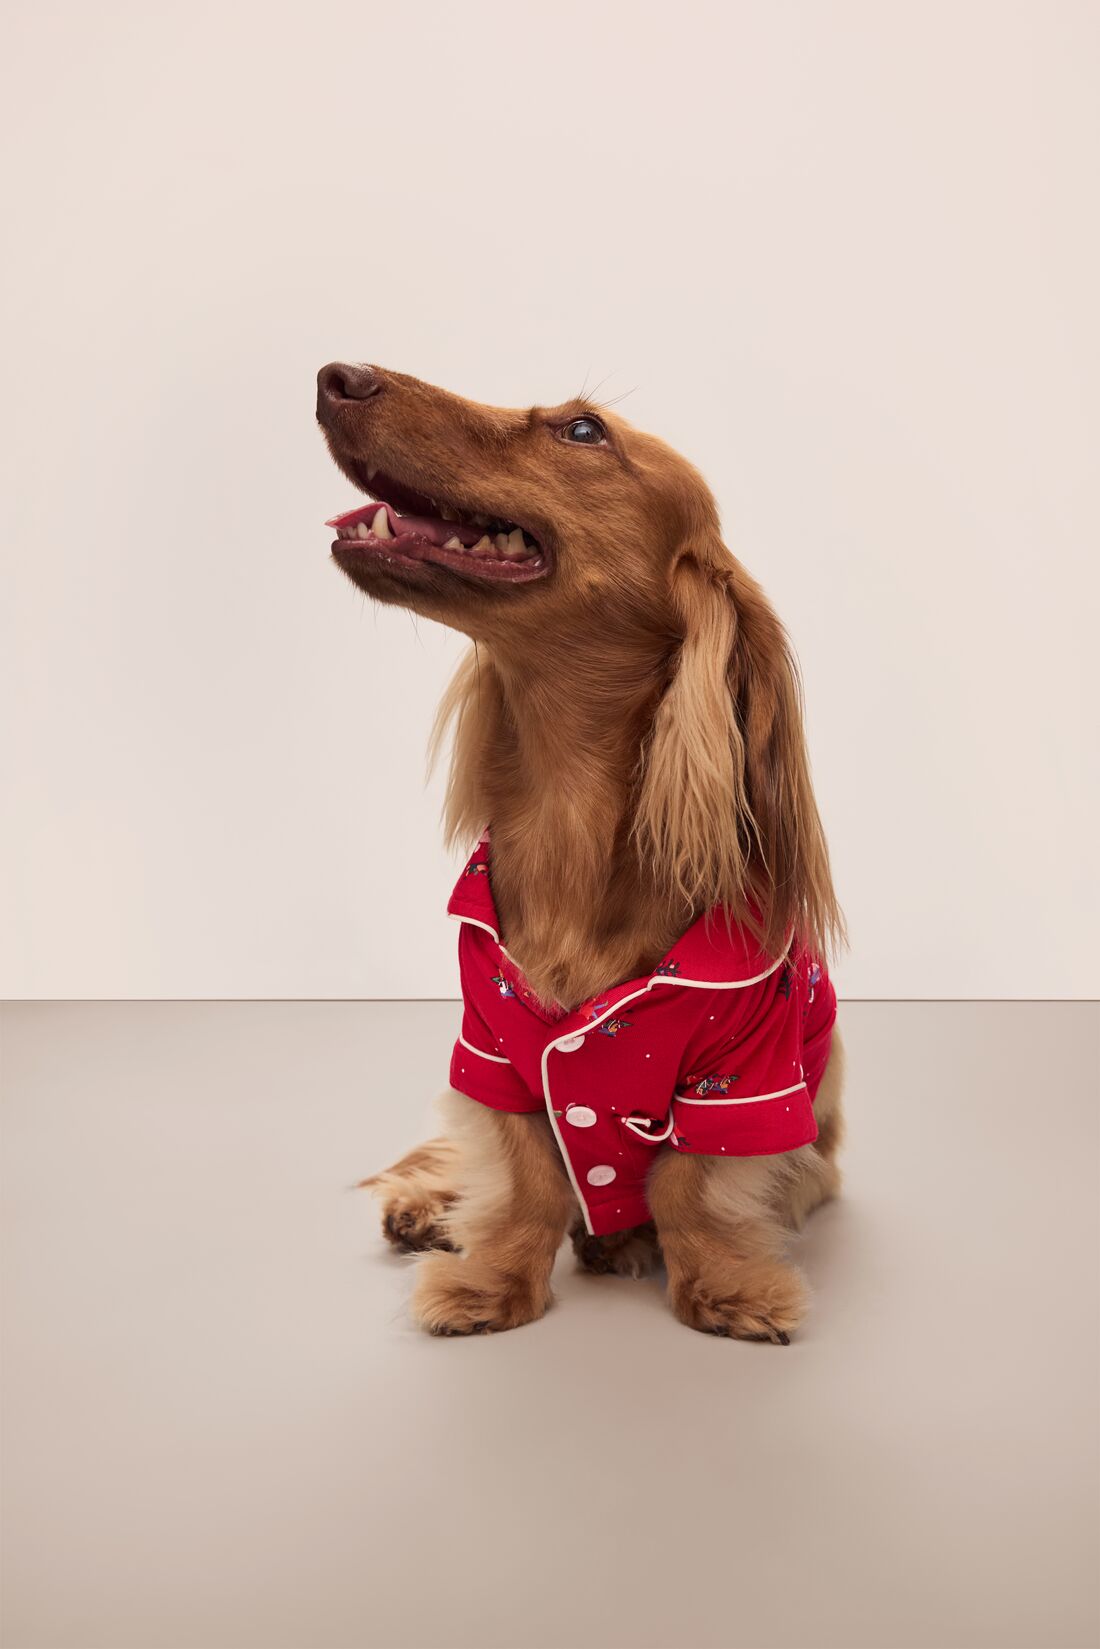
<point x="713" y="951"/>
<point x="472" y="899"/>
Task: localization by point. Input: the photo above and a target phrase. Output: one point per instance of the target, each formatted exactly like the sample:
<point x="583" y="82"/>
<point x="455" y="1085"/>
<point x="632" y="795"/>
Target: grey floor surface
<point x="221" y="1431"/>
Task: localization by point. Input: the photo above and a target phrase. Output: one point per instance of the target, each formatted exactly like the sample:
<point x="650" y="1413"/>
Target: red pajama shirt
<point x="719" y="1051"/>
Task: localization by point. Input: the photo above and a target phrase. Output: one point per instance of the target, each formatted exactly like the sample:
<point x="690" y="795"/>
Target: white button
<point x="571" y="1044"/>
<point x="581" y="1116"/>
<point x="603" y="1175"/>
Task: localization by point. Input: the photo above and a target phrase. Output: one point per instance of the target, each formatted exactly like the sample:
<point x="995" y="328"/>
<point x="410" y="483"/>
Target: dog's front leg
<point x="514" y="1203"/>
<point x="722" y="1240"/>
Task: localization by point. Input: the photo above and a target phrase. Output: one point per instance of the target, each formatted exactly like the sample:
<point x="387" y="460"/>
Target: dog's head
<point x="499" y="522"/>
<point x="563" y="537"/>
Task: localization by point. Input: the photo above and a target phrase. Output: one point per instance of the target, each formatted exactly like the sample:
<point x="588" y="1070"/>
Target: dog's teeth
<point x="453" y="543"/>
<point x="380" y="526"/>
<point x="484" y="546"/>
<point x="447" y="514"/>
<point x="361" y="530"/>
<point x="501" y="542"/>
<point x="516" y="549"/>
<point x="480" y="520"/>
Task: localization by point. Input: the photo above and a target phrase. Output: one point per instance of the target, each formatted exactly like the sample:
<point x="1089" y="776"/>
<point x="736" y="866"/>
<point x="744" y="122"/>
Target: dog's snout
<point x="338" y="382"/>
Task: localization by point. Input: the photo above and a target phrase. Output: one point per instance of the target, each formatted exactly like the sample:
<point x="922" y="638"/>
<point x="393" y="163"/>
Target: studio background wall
<point x="843" y="255"/>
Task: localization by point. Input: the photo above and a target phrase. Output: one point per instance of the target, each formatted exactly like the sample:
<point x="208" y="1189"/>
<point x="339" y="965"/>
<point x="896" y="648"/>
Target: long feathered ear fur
<point x="471" y="708"/>
<point x="726" y="811"/>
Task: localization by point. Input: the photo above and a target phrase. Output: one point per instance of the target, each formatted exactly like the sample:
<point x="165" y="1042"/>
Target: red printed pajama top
<point x="719" y="1051"/>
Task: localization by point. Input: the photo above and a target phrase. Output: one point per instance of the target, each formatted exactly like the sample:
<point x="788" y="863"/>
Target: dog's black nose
<point x="339" y="382"/>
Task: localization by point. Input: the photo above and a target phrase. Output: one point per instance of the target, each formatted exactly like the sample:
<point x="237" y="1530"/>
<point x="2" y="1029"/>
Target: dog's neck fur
<point x="559" y="770"/>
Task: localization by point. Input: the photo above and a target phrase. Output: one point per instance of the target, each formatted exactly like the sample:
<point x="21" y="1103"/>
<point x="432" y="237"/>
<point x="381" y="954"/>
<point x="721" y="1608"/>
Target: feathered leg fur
<point x="723" y="1225"/>
<point x="507" y="1222"/>
<point x="494" y="1197"/>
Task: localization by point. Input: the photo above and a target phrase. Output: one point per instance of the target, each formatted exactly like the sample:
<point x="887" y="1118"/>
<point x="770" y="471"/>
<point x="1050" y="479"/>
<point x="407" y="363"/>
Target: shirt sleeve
<point x="742" y="1089"/>
<point x="478" y="1069"/>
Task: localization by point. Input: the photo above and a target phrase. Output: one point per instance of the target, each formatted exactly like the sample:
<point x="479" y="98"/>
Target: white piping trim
<point x="655" y="978"/>
<point x="632" y="996"/>
<point x="455" y="917"/>
<point x="650" y="1139"/>
<point x="723" y="984"/>
<point x="497" y="1059"/>
<point x="744" y="1099"/>
<point x="552" y="1047"/>
<point x="473" y="921"/>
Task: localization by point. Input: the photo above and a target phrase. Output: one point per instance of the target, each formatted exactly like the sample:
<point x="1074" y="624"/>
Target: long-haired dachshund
<point x="647" y="1054"/>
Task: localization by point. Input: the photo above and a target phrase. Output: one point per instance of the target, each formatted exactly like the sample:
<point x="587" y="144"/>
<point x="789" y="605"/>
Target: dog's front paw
<point x="756" y="1300"/>
<point x="417" y="1195"/>
<point x="413" y="1228"/>
<point x="459" y="1295"/>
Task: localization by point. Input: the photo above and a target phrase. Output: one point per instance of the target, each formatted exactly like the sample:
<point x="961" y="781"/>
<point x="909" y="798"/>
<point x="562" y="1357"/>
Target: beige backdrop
<point x="844" y="255"/>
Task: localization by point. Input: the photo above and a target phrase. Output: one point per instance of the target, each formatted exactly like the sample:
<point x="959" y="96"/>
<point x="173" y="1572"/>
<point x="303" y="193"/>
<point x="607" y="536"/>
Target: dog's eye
<point x="587" y="432"/>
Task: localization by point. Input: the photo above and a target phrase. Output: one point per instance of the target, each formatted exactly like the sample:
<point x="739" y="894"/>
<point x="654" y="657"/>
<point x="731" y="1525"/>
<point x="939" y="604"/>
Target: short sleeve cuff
<point x="490" y="1079"/>
<point x="761" y="1127"/>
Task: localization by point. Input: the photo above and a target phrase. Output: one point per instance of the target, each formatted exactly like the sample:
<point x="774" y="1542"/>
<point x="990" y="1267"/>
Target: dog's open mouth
<point x="415" y="529"/>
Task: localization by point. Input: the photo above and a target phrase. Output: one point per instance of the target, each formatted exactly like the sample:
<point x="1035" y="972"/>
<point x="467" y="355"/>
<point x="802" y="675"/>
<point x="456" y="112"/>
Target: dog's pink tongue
<point x="435" y="529"/>
<point x="431" y="527"/>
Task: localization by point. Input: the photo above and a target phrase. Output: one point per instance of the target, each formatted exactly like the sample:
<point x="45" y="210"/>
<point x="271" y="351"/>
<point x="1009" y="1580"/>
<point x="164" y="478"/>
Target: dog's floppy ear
<point x="693" y="821"/>
<point x="726" y="812"/>
<point x="471" y="708"/>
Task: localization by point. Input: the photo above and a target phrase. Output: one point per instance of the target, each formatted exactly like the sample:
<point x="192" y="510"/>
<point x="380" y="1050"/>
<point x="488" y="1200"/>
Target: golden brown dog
<point x="630" y="723"/>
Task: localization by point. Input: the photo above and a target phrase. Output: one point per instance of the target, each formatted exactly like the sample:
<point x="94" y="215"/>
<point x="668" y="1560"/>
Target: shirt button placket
<point x="583" y="1116"/>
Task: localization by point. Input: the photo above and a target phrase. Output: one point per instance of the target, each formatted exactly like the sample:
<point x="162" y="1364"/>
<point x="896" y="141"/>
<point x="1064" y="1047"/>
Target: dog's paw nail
<point x="782" y="1339"/>
<point x="452" y="1331"/>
